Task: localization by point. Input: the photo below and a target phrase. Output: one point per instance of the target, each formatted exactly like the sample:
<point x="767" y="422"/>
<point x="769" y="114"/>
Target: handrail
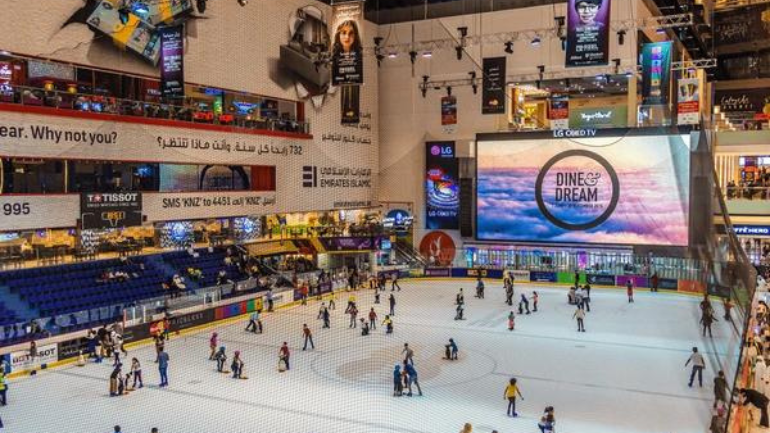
<point x="93" y="103"/>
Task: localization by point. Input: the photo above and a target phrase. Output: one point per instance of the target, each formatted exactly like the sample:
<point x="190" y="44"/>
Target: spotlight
<point x="563" y="43"/>
<point x="379" y="57"/>
<point x="560" y="26"/>
<point x="535" y="41"/>
<point x="424" y="86"/>
<point x="617" y="65"/>
<point x="509" y="47"/>
<point x="243" y="2"/>
<point x="377" y="41"/>
<point x="413" y="56"/>
<point x="427" y="54"/>
<point x="541" y="71"/>
<point x="123" y="15"/>
<point x="661" y="31"/>
<point x="538" y="83"/>
<point x="463" y="32"/>
<point x="201" y="4"/>
<point x="392" y="55"/>
<point x="474" y="86"/>
<point x="449" y="91"/>
<point x="621" y="37"/>
<point x="459" y="51"/>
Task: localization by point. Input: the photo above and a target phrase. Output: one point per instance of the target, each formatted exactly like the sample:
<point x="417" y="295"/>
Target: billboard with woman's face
<point x="347" y="48"/>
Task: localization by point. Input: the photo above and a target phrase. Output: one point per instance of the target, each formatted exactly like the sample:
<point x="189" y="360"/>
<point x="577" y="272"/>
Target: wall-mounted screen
<point x="628" y="187"/>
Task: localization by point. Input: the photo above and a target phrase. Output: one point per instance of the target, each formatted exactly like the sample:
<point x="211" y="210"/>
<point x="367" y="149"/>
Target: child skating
<point x="511" y="391"/>
<point x="511" y="321"/>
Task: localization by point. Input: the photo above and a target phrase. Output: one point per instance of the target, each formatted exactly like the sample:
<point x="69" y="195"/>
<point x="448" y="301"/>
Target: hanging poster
<point x="588" y="26"/>
<point x="442" y="190"/>
<point x="449" y="113"/>
<point x="688" y="98"/>
<point x="558" y="111"/>
<point x="351" y="105"/>
<point x="347" y="48"/>
<point x="656" y="73"/>
<point x="493" y="94"/>
<point x="172" y="62"/>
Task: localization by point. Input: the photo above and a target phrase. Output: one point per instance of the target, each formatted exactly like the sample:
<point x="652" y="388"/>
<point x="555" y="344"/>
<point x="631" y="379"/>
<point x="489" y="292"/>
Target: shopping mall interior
<point x="385" y="214"/>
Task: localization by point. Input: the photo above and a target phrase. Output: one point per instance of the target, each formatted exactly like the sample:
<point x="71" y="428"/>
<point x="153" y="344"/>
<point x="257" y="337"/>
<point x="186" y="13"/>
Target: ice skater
<point x="351" y="303"/>
<point x="364" y="327"/>
<point x="394" y="283"/>
<point x="398" y="384"/>
<point x="535" y="299"/>
<point x="408" y="354"/>
<point x="269" y="297"/>
<point x="115" y="376"/>
<point x="580" y="315"/>
<point x="392" y="301"/>
<point x="707" y="319"/>
<point x="377" y="297"/>
<point x="353" y="311"/>
<point x="213" y="345"/>
<point x="332" y="299"/>
<point x="728" y="305"/>
<point x="283" y="356"/>
<point x="460" y="297"/>
<point x="509" y="295"/>
<point x="459" y="312"/>
<point x="411" y="379"/>
<point x="237" y="365"/>
<point x="720" y="387"/>
<point x="3" y="388"/>
<point x="630" y="291"/>
<point x="388" y="322"/>
<point x="136" y="372"/>
<point x="654" y="281"/>
<point x="321" y="311"/>
<point x="511" y="391"/>
<point x="372" y="319"/>
<point x="547" y="421"/>
<point x="698" y="365"/>
<point x="511" y="321"/>
<point x="254" y="323"/>
<point x="479" y="288"/>
<point x="523" y="304"/>
<point x="451" y="350"/>
<point x="308" y="337"/>
<point x="326" y="318"/>
<point x="221" y="358"/>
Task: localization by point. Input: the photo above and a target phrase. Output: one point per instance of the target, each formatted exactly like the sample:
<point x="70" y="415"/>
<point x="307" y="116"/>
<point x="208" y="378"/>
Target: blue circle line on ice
<point x="581" y="226"/>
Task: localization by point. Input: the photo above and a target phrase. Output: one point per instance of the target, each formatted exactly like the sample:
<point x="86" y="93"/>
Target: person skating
<point x="547" y="421"/>
<point x="707" y="319"/>
<point x="308" y="337"/>
<point x="394" y="284"/>
<point x="584" y="300"/>
<point x="332" y="300"/>
<point x="698" y="365"/>
<point x="728" y="305"/>
<point x="372" y="319"/>
<point x="720" y="387"/>
<point x="756" y="398"/>
<point x="213" y="345"/>
<point x="364" y="327"/>
<point x="284" y="355"/>
<point x="630" y="291"/>
<point x="237" y="365"/>
<point x="451" y="350"/>
<point x="460" y="297"/>
<point x="221" y="358"/>
<point x="654" y="281"/>
<point x="408" y="354"/>
<point x="253" y="320"/>
<point x="398" y="384"/>
<point x="580" y="315"/>
<point x="353" y="311"/>
<point x="411" y="379"/>
<point x="535" y="299"/>
<point x="160" y="344"/>
<point x="479" y="288"/>
<point x="351" y="303"/>
<point x="114" y="378"/>
<point x="511" y="321"/>
<point x="136" y="372"/>
<point x="459" y="312"/>
<point x="388" y="322"/>
<point x="326" y="318"/>
<point x="392" y="301"/>
<point x="269" y="297"/>
<point x="523" y="304"/>
<point x="377" y="297"/>
<point x="587" y="288"/>
<point x="511" y="391"/>
<point x="509" y="295"/>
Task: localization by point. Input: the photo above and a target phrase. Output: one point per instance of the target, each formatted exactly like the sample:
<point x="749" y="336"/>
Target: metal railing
<point x="748" y="193"/>
<point x="61" y="100"/>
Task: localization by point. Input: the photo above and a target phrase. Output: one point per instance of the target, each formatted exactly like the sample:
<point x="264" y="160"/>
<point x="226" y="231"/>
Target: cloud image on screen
<point x="631" y="190"/>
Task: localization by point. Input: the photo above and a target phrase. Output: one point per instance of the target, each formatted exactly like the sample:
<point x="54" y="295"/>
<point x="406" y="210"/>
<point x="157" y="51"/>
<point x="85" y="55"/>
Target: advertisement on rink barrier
<point x="544" y="277"/>
<point x="21" y="360"/>
<point x="519" y="274"/>
<point x="636" y="280"/>
<point x="600" y="279"/>
<point x="438" y="272"/>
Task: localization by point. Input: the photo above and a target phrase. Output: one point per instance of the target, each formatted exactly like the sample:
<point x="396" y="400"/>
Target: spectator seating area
<point x="7" y="316"/>
<point x="209" y="263"/>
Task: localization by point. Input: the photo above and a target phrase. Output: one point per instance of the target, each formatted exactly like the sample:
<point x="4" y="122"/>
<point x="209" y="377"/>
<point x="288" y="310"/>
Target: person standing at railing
<point x="758" y="400"/>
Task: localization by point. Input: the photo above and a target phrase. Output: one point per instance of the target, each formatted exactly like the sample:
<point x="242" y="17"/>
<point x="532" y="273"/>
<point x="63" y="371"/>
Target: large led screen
<point x="617" y="187"/>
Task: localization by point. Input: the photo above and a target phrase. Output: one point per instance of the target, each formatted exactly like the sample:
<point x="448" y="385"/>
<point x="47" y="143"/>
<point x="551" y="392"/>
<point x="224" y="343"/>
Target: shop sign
<point x="747" y="230"/>
<point x="751" y="101"/>
<point x="602" y="117"/>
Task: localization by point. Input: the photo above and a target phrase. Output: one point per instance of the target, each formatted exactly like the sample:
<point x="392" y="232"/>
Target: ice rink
<point x="625" y="374"/>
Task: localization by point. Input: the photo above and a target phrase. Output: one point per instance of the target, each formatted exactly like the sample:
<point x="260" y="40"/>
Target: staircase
<point x="406" y="254"/>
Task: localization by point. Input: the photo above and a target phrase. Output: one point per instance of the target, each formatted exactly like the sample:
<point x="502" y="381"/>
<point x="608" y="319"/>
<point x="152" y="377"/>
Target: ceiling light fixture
<point x="509" y="47"/>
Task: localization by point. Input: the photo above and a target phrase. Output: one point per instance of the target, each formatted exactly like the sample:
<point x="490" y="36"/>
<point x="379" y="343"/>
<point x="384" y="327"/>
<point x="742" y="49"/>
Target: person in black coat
<point x="758" y="400"/>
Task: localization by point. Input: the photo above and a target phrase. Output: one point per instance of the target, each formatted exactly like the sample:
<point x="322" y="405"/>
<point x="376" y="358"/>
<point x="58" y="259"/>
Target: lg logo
<point x="442" y="151"/>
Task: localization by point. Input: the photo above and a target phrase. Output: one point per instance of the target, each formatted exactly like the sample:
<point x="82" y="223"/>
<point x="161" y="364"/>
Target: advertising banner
<point x="110" y="210"/>
<point x="668" y="284"/>
<point x="599" y="117"/>
<point x="558" y="111"/>
<point x="607" y="187"/>
<point x="347" y="43"/>
<point x="656" y="73"/>
<point x="688" y="101"/>
<point x="600" y="279"/>
<point x="588" y="26"/>
<point x="21" y="360"/>
<point x="438" y="272"/>
<point x="519" y="275"/>
<point x="754" y="102"/>
<point x="350" y="243"/>
<point x="636" y="280"/>
<point x="134" y="34"/>
<point x="549" y="277"/>
<point x="19" y="212"/>
<point x="449" y="114"/>
<point x="493" y="86"/>
<point x="172" y="62"/>
<point x="442" y="190"/>
<point x="350" y="104"/>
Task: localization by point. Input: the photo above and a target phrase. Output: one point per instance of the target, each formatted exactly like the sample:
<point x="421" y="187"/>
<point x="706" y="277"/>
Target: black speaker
<point x="466" y="207"/>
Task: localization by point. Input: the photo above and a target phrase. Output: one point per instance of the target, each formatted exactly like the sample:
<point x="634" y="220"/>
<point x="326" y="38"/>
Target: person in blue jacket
<point x="398" y="385"/>
<point x="412" y="379"/>
<point x="163" y="367"/>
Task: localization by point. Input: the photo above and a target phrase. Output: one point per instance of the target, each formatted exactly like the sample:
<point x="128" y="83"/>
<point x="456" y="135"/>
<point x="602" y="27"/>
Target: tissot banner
<point x="656" y="73"/>
<point x="110" y="210"/>
<point x="347" y="48"/>
<point x="442" y="189"/>
<point x="688" y="101"/>
<point x="172" y="62"/>
<point x="588" y="26"/>
<point x="493" y="94"/>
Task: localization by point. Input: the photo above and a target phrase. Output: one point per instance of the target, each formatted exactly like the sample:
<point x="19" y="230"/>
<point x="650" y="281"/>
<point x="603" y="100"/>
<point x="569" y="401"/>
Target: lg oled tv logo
<point x="309" y="176"/>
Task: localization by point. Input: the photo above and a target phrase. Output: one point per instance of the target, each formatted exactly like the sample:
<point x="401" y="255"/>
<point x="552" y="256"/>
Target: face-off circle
<point x="577" y="190"/>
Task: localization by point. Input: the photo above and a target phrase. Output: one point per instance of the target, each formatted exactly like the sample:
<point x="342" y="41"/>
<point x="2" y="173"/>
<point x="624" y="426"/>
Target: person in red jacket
<point x="283" y="355"/>
<point x="630" y="290"/>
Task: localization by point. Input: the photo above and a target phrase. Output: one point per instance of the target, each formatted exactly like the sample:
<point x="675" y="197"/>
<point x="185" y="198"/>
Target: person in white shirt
<point x="761" y="371"/>
<point x="580" y="314"/>
<point x="698" y="364"/>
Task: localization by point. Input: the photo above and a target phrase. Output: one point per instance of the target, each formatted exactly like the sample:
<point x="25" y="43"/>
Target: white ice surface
<point x="626" y="374"/>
